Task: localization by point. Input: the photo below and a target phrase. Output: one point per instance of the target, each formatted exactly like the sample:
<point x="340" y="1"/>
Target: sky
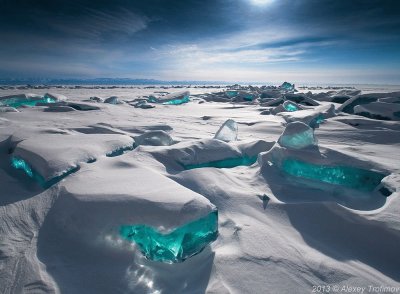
<point x="310" y="41"/>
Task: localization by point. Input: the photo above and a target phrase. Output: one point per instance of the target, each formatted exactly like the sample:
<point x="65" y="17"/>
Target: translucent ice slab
<point x="177" y="245"/>
<point x="350" y="177"/>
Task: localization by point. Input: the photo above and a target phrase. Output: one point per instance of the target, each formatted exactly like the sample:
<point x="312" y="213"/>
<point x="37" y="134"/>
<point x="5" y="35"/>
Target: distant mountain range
<point x="102" y="81"/>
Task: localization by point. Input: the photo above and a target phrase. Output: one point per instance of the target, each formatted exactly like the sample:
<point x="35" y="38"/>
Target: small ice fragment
<point x="290" y="106"/>
<point x="231" y="93"/>
<point x="112" y="100"/>
<point x="52" y="97"/>
<point x="287" y="86"/>
<point x="171" y="99"/>
<point x="228" y="131"/>
<point x="19" y="163"/>
<point x="297" y="135"/>
<point x="96" y="99"/>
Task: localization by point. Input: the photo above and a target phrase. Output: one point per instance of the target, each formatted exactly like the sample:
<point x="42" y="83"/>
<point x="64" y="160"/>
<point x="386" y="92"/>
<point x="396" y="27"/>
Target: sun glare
<point x="261" y="2"/>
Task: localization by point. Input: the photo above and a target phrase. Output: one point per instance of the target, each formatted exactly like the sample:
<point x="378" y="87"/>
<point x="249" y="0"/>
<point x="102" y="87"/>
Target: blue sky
<point x="313" y="41"/>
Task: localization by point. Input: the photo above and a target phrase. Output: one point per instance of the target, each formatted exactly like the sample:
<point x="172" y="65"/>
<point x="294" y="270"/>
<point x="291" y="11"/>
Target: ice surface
<point x="8" y="109"/>
<point x="59" y="108"/>
<point x="228" y="131"/>
<point x="66" y="239"/>
<point x="350" y="177"/>
<point x="297" y="135"/>
<point x="177" y="245"/>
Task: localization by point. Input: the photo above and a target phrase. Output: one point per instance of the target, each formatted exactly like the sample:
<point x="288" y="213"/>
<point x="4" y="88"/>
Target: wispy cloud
<point x="98" y="25"/>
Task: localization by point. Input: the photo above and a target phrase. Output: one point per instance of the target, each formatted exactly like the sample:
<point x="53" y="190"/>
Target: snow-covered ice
<point x="104" y="198"/>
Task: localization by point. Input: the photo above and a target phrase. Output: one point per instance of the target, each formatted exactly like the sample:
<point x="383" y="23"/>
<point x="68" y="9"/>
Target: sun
<point x="261" y="2"/>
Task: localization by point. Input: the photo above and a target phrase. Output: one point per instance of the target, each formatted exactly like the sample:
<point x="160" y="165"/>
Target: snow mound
<point x="301" y="171"/>
<point x="349" y="105"/>
<point x="154" y="138"/>
<point x="59" y="108"/>
<point x="203" y="153"/>
<point x="95" y="203"/>
<point x="311" y="117"/>
<point x="8" y="109"/>
<point x="379" y="110"/>
<point x="66" y="152"/>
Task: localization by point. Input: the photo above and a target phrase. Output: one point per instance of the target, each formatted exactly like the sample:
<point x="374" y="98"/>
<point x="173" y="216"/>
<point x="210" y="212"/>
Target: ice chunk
<point x="287" y="86"/>
<point x="143" y="104"/>
<point x="28" y="100"/>
<point x="272" y="102"/>
<point x="290" y="106"/>
<point x="20" y="164"/>
<point x="297" y="135"/>
<point x="154" y="138"/>
<point x="246" y="96"/>
<point x="177" y="245"/>
<point x="172" y="99"/>
<point x="96" y="99"/>
<point x="225" y="163"/>
<point x="350" y="177"/>
<point x="301" y="98"/>
<point x="55" y="97"/>
<point x="112" y="100"/>
<point x="231" y="93"/>
<point x="228" y="131"/>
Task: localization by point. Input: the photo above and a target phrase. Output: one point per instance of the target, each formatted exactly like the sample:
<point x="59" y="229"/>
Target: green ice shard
<point x="350" y="177"/>
<point x="290" y="107"/>
<point x="225" y="163"/>
<point x="177" y="245"/>
<point x="21" y="164"/>
<point x="231" y="94"/>
<point x="185" y="99"/>
<point x="18" y="102"/>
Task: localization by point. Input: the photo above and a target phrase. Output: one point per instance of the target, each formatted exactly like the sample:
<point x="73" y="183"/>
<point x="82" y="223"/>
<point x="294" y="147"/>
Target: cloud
<point x="97" y="25"/>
